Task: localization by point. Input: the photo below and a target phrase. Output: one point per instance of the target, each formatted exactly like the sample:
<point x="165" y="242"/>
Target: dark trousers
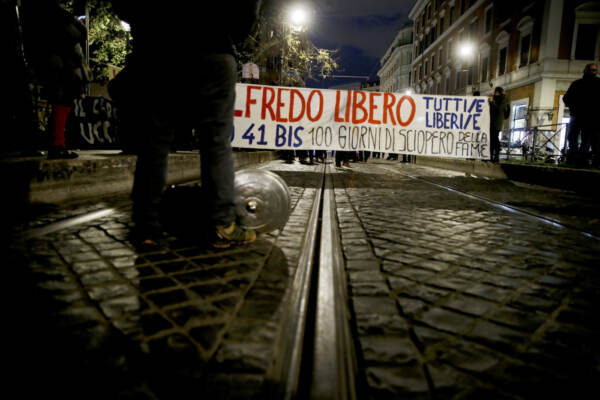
<point x="581" y="136"/>
<point x="341" y="157"/>
<point x="495" y="145"/>
<point x="210" y="111"/>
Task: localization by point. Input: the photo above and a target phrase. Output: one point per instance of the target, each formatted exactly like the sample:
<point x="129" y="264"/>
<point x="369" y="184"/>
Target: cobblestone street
<point x="472" y="302"/>
<point x="450" y="297"/>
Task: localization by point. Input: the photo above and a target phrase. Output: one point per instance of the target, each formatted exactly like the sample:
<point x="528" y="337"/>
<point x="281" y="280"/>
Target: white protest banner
<point x="286" y="118"/>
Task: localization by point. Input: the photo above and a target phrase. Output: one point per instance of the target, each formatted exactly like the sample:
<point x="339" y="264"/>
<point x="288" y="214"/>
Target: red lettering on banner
<point x="348" y="105"/>
<point x="357" y="105"/>
<point x="294" y="93"/>
<point x="280" y="104"/>
<point x="309" y="105"/>
<point x="387" y="107"/>
<point x="249" y="99"/>
<point x="267" y="104"/>
<point x="338" y="95"/>
<point x="372" y="108"/>
<point x="412" y="111"/>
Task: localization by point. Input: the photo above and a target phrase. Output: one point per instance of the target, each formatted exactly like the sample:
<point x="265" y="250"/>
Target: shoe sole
<point x="231" y="242"/>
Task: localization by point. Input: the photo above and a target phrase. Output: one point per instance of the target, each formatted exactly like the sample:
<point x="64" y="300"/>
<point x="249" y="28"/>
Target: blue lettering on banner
<point x="453" y="113"/>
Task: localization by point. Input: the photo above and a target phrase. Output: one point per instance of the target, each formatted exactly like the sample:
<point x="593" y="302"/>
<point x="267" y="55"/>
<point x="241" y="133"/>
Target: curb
<point x="35" y="181"/>
<point x="578" y="180"/>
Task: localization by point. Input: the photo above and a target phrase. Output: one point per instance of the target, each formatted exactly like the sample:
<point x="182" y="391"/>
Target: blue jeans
<point x="199" y="96"/>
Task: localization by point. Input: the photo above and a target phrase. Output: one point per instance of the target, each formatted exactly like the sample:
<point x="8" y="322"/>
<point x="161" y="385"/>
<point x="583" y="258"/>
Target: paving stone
<point x="498" y="336"/>
<point x="381" y="324"/>
<point x="121" y="306"/>
<point x="103" y="292"/>
<point x="244" y="356"/>
<point x="527" y="321"/>
<point x="411" y="307"/>
<point x="489" y="292"/>
<point x="194" y="314"/>
<point x="390" y="349"/>
<point x="447" y="320"/>
<point x="406" y="382"/>
<point x="428" y="294"/>
<point x="365" y="305"/>
<point x="470" y="305"/>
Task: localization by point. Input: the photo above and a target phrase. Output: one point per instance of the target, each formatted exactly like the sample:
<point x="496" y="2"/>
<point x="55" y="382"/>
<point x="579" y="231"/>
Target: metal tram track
<point x="316" y="354"/>
<point x="496" y="204"/>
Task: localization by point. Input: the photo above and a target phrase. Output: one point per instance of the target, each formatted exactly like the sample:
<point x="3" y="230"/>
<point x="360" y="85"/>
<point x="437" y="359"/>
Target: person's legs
<point x="150" y="174"/>
<point x="494" y="145"/>
<point x="573" y="131"/>
<point x="214" y="127"/>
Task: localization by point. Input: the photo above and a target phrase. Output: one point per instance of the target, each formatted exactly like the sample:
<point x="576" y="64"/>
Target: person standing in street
<point x="53" y="41"/>
<point x="499" y="111"/>
<point x="174" y="54"/>
<point x="583" y="132"/>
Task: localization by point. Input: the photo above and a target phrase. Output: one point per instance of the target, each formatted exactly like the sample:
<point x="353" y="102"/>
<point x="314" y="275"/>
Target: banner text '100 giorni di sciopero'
<point x="285" y="118"/>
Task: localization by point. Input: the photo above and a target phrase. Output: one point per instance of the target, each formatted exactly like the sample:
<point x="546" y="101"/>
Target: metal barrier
<point x="536" y="143"/>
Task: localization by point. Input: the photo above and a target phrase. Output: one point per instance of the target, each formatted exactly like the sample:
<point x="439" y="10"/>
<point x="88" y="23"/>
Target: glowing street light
<point x="466" y="50"/>
<point x="298" y="16"/>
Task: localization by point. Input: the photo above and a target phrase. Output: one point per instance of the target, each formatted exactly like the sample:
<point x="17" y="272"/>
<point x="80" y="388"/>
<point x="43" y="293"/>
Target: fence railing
<point x="536" y="143"/>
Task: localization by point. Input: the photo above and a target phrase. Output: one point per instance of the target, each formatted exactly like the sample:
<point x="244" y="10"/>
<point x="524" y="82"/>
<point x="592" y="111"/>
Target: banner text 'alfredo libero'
<point x="285" y="118"/>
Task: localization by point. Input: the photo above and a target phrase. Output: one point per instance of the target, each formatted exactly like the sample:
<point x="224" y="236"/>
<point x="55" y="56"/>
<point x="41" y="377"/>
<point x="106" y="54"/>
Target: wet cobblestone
<point x="455" y="299"/>
<point x="177" y="320"/>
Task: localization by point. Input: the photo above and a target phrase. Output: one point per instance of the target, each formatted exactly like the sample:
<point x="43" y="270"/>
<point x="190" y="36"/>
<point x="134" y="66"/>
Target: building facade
<point x="396" y="63"/>
<point x="534" y="49"/>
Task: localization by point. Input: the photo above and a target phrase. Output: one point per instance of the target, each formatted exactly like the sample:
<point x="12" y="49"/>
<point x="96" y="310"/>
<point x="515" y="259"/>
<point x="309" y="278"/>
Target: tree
<point x="109" y="42"/>
<point x="288" y="56"/>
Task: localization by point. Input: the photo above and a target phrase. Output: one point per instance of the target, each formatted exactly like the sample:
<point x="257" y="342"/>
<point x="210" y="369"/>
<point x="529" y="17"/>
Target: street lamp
<point x="296" y="17"/>
<point x="466" y="52"/>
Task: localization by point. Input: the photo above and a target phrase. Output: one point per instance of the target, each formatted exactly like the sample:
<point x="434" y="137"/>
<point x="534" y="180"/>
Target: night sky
<point x="361" y="30"/>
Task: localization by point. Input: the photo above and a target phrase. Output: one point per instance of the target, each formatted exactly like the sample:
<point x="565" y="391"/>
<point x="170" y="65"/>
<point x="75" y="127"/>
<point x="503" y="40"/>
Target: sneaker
<point x="232" y="235"/>
<point x="346" y="165"/>
<point x="60" y="153"/>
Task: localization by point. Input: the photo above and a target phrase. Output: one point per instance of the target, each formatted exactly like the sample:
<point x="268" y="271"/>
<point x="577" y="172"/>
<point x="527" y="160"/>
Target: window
<point x="420" y="71"/>
<point x="483" y="68"/>
<point x="447" y="83"/>
<point x="451" y="16"/>
<point x="440" y="58"/>
<point x="502" y="41"/>
<point x="525" y="47"/>
<point x="462" y="6"/>
<point x="525" y="28"/>
<point x="518" y="123"/>
<point x="441" y="25"/>
<point x="586" y="35"/>
<point x="425" y="68"/>
<point x="502" y="61"/>
<point x="449" y="52"/>
<point x="587" y="41"/>
<point x="433" y="62"/>
<point x="489" y="13"/>
<point x="473" y="29"/>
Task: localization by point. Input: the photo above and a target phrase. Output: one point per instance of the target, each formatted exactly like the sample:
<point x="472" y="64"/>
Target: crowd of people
<point x="50" y="42"/>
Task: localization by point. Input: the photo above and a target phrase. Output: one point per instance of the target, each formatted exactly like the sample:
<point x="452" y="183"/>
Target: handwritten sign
<point x="92" y="124"/>
<point x="268" y="117"/>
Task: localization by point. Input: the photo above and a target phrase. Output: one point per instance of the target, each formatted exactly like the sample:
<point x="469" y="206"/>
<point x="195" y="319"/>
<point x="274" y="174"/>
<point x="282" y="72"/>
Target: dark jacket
<point x="582" y="97"/>
<point x="175" y="30"/>
<point x="499" y="111"/>
<point x="54" y="42"/>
